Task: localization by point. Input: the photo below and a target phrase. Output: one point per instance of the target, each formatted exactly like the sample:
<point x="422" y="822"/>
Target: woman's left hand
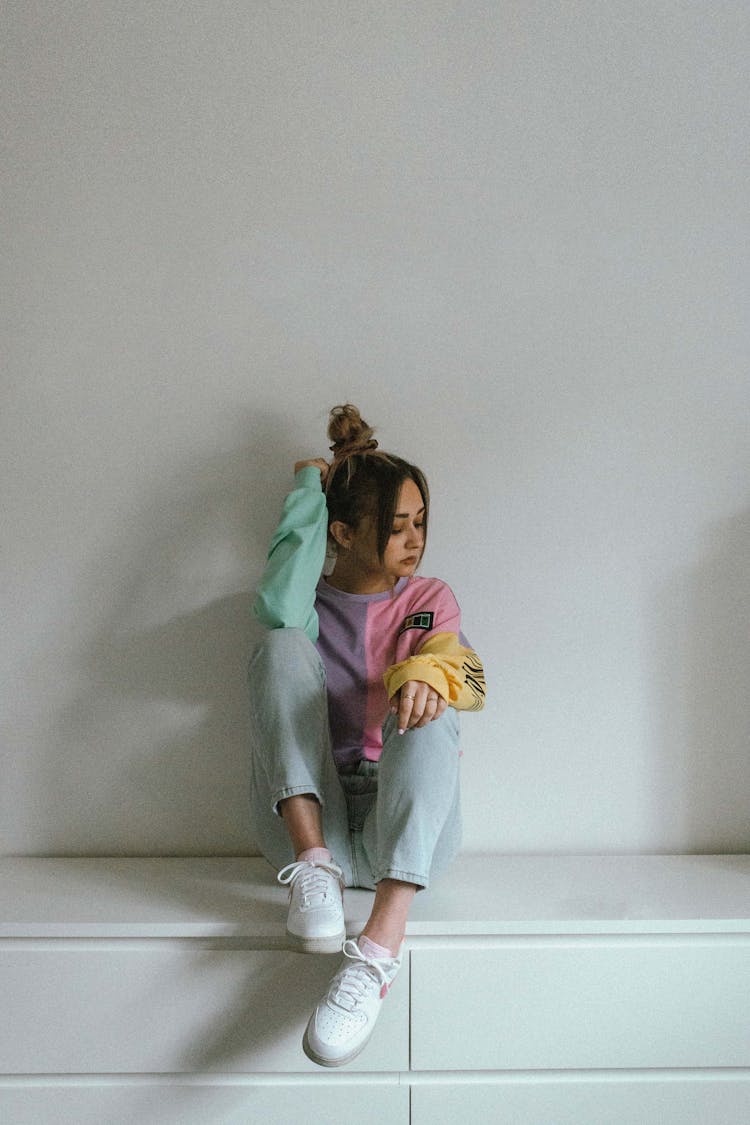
<point x="416" y="704"/>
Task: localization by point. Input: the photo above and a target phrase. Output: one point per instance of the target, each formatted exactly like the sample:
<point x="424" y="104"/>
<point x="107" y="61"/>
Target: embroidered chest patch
<point x="417" y="621"/>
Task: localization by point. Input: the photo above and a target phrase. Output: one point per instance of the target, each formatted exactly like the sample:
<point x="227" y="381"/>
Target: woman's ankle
<point x="303" y="821"/>
<point x="314" y="855"/>
<point x="386" y="925"/>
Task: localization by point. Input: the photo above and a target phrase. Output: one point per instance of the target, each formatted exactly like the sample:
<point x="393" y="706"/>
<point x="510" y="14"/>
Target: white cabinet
<point x="200" y="1103"/>
<point x="536" y="991"/>
<point x="582" y="1003"/>
<point x="92" y="1010"/>
<point x="644" y="1099"/>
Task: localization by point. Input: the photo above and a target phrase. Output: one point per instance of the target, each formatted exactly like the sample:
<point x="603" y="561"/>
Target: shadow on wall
<point x="150" y="755"/>
<point x="703" y="703"/>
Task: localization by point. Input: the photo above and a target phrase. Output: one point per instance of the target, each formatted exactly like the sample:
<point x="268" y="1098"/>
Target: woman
<point x="355" y="690"/>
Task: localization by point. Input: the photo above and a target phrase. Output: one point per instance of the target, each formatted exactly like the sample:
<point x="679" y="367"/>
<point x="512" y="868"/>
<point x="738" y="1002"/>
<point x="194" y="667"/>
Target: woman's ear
<point x="342" y="534"/>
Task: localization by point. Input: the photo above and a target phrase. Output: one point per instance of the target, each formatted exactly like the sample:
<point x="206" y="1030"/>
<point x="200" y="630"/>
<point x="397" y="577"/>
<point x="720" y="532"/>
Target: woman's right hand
<point x="317" y="463"/>
<point x="416" y="703"/>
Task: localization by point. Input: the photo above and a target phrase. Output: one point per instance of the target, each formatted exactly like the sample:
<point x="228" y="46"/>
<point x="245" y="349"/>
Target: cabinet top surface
<point x="486" y="894"/>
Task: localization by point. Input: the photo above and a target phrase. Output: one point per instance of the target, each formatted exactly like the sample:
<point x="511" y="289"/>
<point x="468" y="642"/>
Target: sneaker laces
<point x="355" y="981"/>
<point x="313" y="878"/>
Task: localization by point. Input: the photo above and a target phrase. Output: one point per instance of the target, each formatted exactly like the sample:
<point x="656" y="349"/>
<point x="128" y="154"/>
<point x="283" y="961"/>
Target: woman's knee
<point x="421" y="762"/>
<point x="443" y="732"/>
<point x="281" y="651"/>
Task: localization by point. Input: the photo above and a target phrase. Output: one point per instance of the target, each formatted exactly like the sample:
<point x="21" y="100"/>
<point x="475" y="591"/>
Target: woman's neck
<point x="356" y="581"/>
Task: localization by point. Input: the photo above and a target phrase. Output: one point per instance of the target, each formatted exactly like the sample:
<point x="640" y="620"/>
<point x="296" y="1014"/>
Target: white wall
<point x="514" y="234"/>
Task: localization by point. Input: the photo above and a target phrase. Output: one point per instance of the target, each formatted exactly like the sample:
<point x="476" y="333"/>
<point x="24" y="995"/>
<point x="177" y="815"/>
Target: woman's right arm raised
<point x="285" y="597"/>
<point x="316" y="463"/>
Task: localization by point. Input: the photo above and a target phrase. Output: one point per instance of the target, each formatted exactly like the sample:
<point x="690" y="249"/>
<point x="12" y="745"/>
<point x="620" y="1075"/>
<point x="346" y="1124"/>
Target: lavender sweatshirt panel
<point x="341" y="644"/>
<point x="360" y="636"/>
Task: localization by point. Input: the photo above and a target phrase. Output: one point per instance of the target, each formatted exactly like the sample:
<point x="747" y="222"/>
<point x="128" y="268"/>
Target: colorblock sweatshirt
<point x="370" y="644"/>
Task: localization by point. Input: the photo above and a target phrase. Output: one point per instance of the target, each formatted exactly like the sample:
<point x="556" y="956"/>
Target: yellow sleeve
<point x="454" y="671"/>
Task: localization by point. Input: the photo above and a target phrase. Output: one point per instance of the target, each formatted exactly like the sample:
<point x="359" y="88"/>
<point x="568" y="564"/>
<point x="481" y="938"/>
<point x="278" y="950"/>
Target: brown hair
<point x="365" y="481"/>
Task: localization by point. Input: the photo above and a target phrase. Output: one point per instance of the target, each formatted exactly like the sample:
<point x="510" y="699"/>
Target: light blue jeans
<point x="399" y="818"/>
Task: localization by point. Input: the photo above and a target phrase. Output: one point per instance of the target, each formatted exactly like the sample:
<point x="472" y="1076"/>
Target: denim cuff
<point x="422" y="881"/>
<point x="294" y="791"/>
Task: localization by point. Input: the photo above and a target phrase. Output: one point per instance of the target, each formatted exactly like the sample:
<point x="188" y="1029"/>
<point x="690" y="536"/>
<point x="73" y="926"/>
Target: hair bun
<point x="349" y="432"/>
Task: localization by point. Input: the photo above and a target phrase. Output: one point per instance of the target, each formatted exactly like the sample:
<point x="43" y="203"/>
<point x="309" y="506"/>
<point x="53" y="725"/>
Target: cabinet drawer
<point x="314" y="1103"/>
<point x="680" y="1100"/>
<point x="176" y="1010"/>
<point x="530" y="1004"/>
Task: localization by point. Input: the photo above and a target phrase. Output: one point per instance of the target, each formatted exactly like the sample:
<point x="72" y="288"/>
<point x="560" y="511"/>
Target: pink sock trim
<point x="372" y="949"/>
<point x="315" y="855"/>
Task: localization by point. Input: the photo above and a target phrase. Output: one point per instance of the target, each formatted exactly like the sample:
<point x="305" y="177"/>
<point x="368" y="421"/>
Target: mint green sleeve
<point x="285" y="597"/>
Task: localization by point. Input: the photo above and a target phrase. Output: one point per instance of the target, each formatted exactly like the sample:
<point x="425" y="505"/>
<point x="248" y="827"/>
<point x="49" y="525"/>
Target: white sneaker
<point x="316" y="908"/>
<point x="345" y="1018"/>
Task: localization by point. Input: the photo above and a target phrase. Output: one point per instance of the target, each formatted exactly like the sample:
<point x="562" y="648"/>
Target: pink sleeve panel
<point x="429" y="649"/>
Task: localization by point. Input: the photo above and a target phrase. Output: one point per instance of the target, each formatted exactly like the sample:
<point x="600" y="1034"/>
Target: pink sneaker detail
<point x="344" y="1019"/>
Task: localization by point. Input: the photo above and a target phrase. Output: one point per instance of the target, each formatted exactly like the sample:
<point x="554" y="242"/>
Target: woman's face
<point x="405" y="545"/>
